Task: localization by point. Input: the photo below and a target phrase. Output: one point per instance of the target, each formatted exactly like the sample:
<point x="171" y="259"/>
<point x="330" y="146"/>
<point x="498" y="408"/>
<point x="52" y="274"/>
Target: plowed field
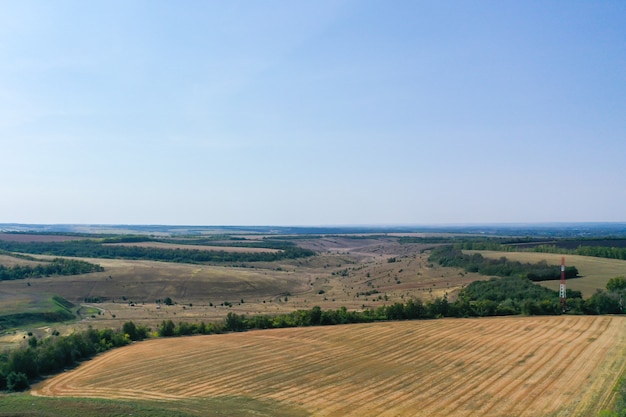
<point x="517" y="366"/>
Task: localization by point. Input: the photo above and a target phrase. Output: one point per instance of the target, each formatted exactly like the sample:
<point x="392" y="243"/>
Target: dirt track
<point x="521" y="366"/>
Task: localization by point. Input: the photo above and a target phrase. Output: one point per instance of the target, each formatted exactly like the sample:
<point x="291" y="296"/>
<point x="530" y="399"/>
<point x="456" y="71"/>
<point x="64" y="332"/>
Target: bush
<point x="17" y="381"/>
<point x="616" y="284"/>
<point x="167" y="328"/>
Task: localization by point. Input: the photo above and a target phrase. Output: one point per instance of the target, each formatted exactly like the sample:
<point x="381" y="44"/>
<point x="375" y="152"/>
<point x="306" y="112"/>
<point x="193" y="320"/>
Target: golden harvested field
<point x="163" y="245"/>
<point x="594" y="272"/>
<point x="514" y="366"/>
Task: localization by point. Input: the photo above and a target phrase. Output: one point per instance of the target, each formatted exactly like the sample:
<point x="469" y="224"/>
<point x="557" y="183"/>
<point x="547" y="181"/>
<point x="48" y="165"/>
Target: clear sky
<point x="312" y="112"/>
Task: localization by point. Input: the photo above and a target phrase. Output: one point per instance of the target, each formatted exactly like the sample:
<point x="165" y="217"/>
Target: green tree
<point x="17" y="381"/>
<point x="616" y="284"/>
<point x="234" y="322"/>
<point x="602" y="303"/>
<point x="316" y="316"/>
<point x="167" y="328"/>
<point x="24" y="361"/>
<point x="130" y="329"/>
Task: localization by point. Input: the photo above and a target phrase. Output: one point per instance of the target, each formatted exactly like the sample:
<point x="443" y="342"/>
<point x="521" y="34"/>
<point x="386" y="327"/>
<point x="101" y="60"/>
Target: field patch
<point x="11" y="261"/>
<point x="594" y="272"/>
<point x="147" y="281"/>
<point x="522" y="366"/>
<point x="27" y="405"/>
<point x="26" y="309"/>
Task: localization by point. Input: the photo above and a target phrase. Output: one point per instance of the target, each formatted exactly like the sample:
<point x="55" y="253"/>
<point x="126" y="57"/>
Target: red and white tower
<point x="562" y="286"/>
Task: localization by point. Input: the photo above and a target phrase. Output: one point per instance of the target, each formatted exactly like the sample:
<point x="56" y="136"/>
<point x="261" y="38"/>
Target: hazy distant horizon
<point x="580" y="229"/>
<point x="381" y="225"/>
<point x="312" y="113"/>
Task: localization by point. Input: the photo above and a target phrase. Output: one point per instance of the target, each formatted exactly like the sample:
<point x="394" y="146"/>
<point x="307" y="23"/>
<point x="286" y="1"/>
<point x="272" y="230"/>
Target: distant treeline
<point x="94" y="249"/>
<point x="597" y="251"/>
<point x="563" y="247"/>
<point x="265" y="243"/>
<point x="457" y="239"/>
<point x="502" y="267"/>
<point x="215" y="240"/>
<point x="57" y="266"/>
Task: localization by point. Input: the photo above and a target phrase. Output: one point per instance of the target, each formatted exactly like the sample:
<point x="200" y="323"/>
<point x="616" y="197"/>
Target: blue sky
<point x="312" y="113"/>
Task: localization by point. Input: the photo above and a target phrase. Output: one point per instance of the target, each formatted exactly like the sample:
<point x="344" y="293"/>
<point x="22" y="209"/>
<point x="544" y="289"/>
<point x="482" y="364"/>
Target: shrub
<point x="17" y="381"/>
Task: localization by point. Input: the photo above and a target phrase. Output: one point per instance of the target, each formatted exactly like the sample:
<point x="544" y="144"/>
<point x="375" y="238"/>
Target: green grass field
<point x="33" y="309"/>
<point x="594" y="272"/>
<point x="27" y="405"/>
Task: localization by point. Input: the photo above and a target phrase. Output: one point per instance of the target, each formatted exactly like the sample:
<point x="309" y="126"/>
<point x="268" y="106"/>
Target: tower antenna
<point x="562" y="286"/>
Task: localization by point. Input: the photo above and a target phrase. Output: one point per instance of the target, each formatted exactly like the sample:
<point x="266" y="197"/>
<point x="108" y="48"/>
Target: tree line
<point x="596" y="251"/>
<point x="94" y="249"/>
<point x="450" y="256"/>
<point x="57" y="266"/>
<point x="53" y="354"/>
<point x="609" y="252"/>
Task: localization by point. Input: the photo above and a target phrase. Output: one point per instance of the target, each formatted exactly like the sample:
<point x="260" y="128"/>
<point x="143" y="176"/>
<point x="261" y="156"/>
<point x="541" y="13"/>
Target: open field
<point x="594" y="272"/>
<point x="11" y="261"/>
<point x="522" y="366"/>
<point x="358" y="273"/>
<point x="32" y="310"/>
<point x="129" y="288"/>
<point x="163" y="245"/>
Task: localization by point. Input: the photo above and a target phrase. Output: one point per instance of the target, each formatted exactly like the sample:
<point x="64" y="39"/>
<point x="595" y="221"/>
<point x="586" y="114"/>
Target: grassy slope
<point x="22" y="309"/>
<point x="595" y="272"/>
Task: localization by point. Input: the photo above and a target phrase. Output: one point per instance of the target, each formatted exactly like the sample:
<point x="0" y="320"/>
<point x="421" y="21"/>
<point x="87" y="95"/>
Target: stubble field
<point x="516" y="366"/>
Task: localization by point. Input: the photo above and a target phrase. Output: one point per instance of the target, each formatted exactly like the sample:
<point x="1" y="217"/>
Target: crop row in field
<point x="523" y="366"/>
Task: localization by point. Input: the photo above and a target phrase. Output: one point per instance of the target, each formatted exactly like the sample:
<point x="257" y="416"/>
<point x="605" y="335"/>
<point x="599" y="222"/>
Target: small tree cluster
<point x="50" y="355"/>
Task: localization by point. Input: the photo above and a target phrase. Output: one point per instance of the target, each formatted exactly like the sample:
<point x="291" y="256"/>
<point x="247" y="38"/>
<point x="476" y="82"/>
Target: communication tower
<point x="562" y="286"/>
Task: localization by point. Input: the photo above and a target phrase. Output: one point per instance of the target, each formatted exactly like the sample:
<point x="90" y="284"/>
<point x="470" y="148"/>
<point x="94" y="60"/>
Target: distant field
<point x="10" y="261"/>
<point x="595" y="272"/>
<point x="163" y="245"/>
<point x="328" y="280"/>
<point x="146" y="281"/>
<point x="19" y="237"/>
<point x="20" y="308"/>
<point x="522" y="366"/>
